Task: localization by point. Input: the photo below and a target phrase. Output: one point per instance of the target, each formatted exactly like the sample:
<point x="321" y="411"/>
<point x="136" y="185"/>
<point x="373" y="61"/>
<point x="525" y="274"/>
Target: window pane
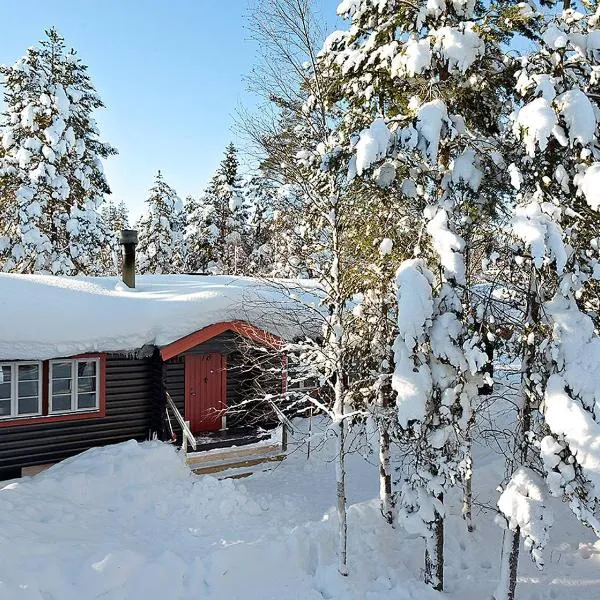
<point x="60" y="403"/>
<point x="86" y="401"/>
<point x="4" y="391"/>
<point x="28" y="406"/>
<point x="61" y="386"/>
<point x="86" y="384"/>
<point x="4" y="408"/>
<point x="61" y="370"/>
<point x="5" y="374"/>
<point x="27" y="389"/>
<point x="28" y="372"/>
<point x="86" y="368"/>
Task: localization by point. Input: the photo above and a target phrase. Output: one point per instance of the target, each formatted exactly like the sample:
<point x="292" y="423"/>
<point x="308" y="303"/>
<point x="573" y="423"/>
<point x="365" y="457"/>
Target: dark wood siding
<point x="243" y="370"/>
<point x="132" y="411"/>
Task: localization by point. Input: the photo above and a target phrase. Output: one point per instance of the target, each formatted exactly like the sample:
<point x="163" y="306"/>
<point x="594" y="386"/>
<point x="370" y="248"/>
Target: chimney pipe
<point x="128" y="239"/>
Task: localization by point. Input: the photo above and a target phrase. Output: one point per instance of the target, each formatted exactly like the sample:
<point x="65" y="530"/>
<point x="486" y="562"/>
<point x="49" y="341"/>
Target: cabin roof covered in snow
<point x="44" y="316"/>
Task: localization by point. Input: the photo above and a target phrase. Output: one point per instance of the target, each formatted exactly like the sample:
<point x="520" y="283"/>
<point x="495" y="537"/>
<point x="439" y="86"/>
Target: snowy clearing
<point x="128" y="522"/>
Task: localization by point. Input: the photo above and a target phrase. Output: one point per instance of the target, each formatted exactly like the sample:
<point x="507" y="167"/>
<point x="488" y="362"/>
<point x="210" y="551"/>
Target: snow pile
<point x="590" y="186"/>
<point x="129" y="522"/>
<point x="533" y="224"/>
<point x="578" y="113"/>
<point x="431" y="116"/>
<point x="578" y="350"/>
<point x="567" y="419"/>
<point x="47" y="317"/>
<point x="415" y="59"/>
<point x="464" y="170"/>
<point x="525" y="506"/>
<point x="447" y="244"/>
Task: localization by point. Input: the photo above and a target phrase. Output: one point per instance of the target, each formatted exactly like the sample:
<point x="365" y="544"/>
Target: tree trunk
<point x="434" y="555"/>
<point x="467" y="507"/>
<point x="511" y="541"/>
<point x="509" y="566"/>
<point x="340" y="472"/>
<point x="385" y="476"/>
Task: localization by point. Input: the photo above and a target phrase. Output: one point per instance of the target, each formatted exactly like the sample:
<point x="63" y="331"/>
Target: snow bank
<point x="129" y="522"/>
<point x="45" y="317"/>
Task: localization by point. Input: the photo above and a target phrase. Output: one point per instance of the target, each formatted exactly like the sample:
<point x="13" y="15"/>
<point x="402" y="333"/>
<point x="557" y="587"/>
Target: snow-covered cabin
<point x="87" y="361"/>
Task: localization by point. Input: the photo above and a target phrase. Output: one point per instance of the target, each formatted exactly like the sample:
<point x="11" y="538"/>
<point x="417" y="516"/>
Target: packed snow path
<point x="128" y="522"/>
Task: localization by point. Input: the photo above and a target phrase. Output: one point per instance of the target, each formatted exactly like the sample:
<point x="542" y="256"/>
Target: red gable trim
<point x="257" y="335"/>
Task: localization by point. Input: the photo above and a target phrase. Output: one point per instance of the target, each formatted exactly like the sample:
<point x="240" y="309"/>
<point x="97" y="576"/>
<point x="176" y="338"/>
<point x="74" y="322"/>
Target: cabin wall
<point x="243" y="370"/>
<point x="132" y="411"/>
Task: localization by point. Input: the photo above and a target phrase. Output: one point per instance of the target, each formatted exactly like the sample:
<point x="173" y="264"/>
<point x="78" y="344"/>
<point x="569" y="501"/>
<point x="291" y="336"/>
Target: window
<point x="20" y="389"/>
<point x="74" y="385"/>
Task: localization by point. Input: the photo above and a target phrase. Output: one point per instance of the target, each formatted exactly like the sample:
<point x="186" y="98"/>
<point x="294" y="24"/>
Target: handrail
<point x="184" y="428"/>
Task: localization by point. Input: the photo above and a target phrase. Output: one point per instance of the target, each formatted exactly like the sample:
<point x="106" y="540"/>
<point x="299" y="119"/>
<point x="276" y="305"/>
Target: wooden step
<point x="239" y="466"/>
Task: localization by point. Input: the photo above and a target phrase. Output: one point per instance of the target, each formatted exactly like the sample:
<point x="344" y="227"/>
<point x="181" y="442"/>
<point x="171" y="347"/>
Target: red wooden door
<point x="205" y="391"/>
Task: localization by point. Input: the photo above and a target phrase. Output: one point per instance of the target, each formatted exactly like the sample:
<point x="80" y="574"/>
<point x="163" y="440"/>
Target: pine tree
<point x="226" y="217"/>
<point x="554" y="148"/>
<point x="161" y="244"/>
<point x="260" y="195"/>
<point x="116" y="217"/>
<point x="198" y="236"/>
<point x="422" y="86"/>
<point x="51" y="177"/>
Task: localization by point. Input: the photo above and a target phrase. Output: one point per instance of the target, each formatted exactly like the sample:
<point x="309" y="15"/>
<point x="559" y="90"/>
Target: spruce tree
<point x="225" y="215"/>
<point x="422" y="86"/>
<point x="554" y="151"/>
<point x="260" y="195"/>
<point x="51" y="178"/>
<point x="161" y="231"/>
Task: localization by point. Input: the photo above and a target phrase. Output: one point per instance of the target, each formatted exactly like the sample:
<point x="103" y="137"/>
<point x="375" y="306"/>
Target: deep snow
<point x="45" y="316"/>
<point x="128" y="522"/>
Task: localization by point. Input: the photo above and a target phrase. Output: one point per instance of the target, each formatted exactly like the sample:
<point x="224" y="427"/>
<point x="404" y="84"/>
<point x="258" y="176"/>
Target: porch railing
<point x="188" y="436"/>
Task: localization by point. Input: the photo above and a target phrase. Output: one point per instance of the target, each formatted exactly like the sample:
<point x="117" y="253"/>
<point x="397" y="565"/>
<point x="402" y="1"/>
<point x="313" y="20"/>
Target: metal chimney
<point x="128" y="239"/>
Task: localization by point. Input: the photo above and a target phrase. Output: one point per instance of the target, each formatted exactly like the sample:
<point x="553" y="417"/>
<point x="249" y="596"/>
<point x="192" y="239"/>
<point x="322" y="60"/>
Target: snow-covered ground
<point x="129" y="522"/>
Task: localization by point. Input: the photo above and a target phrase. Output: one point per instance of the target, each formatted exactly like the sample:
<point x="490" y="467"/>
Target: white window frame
<point x="14" y="389"/>
<point x="74" y="388"/>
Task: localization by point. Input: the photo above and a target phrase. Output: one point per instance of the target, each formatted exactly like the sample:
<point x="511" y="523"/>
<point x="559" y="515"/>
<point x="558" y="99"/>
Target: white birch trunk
<point x="340" y="472"/>
<point x="467" y="507"/>
<point x="386" y="502"/>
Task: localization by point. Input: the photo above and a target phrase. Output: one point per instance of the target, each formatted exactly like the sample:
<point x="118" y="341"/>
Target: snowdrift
<point x="130" y="522"/>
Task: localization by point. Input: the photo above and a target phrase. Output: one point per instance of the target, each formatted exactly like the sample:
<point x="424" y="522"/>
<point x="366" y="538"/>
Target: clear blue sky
<point x="170" y="73"/>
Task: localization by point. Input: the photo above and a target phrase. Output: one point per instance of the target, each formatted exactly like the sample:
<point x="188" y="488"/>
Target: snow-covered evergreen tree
<point x="555" y="172"/>
<point x="198" y="236"/>
<point x="161" y="246"/>
<point x="422" y="85"/>
<point x="225" y="217"/>
<point x="260" y="195"/>
<point x="51" y="178"/>
<point x="116" y="217"/>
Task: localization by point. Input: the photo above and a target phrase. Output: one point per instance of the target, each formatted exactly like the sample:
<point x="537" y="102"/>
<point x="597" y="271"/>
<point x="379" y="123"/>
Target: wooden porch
<point x="237" y="452"/>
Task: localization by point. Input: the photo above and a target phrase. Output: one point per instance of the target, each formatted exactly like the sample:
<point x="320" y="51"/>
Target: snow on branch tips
<point x="524" y="505"/>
